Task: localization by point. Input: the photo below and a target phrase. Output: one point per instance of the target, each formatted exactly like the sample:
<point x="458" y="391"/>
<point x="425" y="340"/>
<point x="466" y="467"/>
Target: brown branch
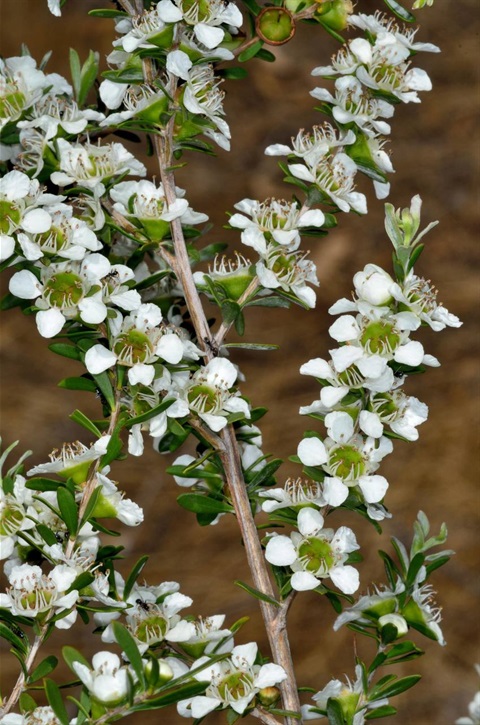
<point x="229" y="452"/>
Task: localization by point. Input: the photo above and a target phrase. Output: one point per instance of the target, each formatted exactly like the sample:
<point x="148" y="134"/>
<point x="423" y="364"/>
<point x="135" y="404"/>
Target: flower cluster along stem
<point x="275" y="624"/>
<point x="90" y="486"/>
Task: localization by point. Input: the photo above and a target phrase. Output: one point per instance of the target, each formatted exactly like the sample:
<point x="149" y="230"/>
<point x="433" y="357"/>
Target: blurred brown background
<point x="435" y="153"/>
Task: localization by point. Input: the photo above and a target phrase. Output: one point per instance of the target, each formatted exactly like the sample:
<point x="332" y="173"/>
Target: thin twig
<point x="264" y="716"/>
<point x="225" y="327"/>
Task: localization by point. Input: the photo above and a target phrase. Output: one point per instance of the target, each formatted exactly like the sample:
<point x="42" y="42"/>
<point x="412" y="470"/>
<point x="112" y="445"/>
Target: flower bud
<point x="268" y="696"/>
<point x="373" y="285"/>
<point x="275" y="26"/>
<point x="335" y="14"/>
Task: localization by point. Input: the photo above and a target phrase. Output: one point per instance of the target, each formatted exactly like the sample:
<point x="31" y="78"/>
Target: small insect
<point x="211" y="346"/>
<point x="143" y="605"/>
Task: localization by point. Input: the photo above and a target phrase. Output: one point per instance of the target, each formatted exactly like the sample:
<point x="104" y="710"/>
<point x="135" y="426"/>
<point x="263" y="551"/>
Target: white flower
<point x="315" y="553"/>
<point x="379" y="23"/>
<point x="140" y="101"/>
<point x="73" y="460"/>
<point x="313" y="145"/>
<point x="298" y="493"/>
<point x="111" y="502"/>
<point x="289" y="271"/>
<point x="419" y="297"/>
<point x="209" y="637"/>
<point x="149" y="29"/>
<point x="206" y="17"/>
<point x="138" y="343"/>
<point x="273" y="221"/>
<point x="352" y="103"/>
<point x="33" y="593"/>
<point x="202" y="96"/>
<point x="208" y="394"/>
<point x="334" y="176"/>
<point x="21" y="85"/>
<point x="473" y="709"/>
<point x="233" y="682"/>
<point x="16" y="514"/>
<point x="54" y="7"/>
<point x="108" y="681"/>
<point x="89" y="165"/>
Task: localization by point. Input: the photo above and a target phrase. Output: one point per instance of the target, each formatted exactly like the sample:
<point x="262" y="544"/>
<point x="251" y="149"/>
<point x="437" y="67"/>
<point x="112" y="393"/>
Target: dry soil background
<point x="435" y="153"/>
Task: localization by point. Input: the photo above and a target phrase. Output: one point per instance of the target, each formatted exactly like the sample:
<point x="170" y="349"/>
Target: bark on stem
<point x="273" y="616"/>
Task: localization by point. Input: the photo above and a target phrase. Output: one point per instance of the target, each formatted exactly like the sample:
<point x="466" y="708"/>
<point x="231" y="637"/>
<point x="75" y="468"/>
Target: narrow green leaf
<point x="265" y="473"/>
<point x="250" y="52"/>
<point x="71" y="655"/>
<point x="68" y="508"/>
<point x="78" y="383"/>
<point x="92" y="501"/>
<point x="20" y="643"/>
<point x="400" y="11"/>
<point x="234" y="73"/>
<point x="264" y="54"/>
<point x="129" y="646"/>
<point x="101" y="13"/>
<point x="42" y="484"/>
<point x="160" y="408"/>
<point x="105" y="387"/>
<point x="43" y="669"/>
<point x="133" y="576"/>
<point x="230" y="311"/>
<point x="88" y="76"/>
<point x="173" y="696"/>
<point x="400" y="685"/>
<point x="75" y="70"/>
<point x="414" y="256"/>
<point x="55" y="701"/>
<point x="61" y="348"/>
<point x="335" y="712"/>
<point x="198" y="503"/>
<point x="78" y="417"/>
<point x="114" y="448"/>
<point x="240" y="324"/>
<point x="257" y="594"/>
<point x="27" y="703"/>
<point x="383" y="711"/>
<point x="271" y="301"/>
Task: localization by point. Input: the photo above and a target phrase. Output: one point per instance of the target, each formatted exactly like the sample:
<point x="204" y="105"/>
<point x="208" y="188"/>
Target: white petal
<point x="278" y="149"/>
<point x="334" y="490"/>
<point x="303" y="581"/>
<point x="317" y="367"/>
<point x="98" y="359"/>
<point x="373" y="488"/>
<point x="37" y="221"/>
<point x="343" y="357"/>
<point x="112" y="94"/>
<point x="410" y="354"/>
<point x="7" y="247"/>
<point x="93" y="310"/>
<point x="312" y="452"/>
<point x="309" y="521"/>
<point x="210" y="37"/>
<point x="244" y="653"/>
<point x="269" y="675"/>
<point x="301" y="172"/>
<point x="25" y="285"/>
<point x="312" y="218"/>
<point x="330" y="396"/>
<point x="170" y="348"/>
<point x="178" y="63"/>
<point x="202" y="705"/>
<point x="346" y="578"/>
<point x="141" y="373"/>
<point x="371" y="424"/>
<point x="49" y="322"/>
<point x="280" y="551"/>
<point x="339" y="425"/>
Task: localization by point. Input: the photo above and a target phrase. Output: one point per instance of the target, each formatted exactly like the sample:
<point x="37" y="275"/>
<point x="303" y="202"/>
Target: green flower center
<point x="202" y="398"/>
<point x="9" y="216"/>
<point x="380" y="338"/>
<point x="12" y="103"/>
<point x="235" y="686"/>
<point x="132" y="347"/>
<point x="151" y="629"/>
<point x="198" y="9"/>
<point x="385" y="406"/>
<point x="63" y="290"/>
<point x="346" y="462"/>
<point x="52" y="241"/>
<point x="316" y="555"/>
<point x="11" y="517"/>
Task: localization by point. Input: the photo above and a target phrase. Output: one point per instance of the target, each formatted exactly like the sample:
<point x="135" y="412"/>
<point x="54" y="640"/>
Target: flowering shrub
<point x="106" y="263"/>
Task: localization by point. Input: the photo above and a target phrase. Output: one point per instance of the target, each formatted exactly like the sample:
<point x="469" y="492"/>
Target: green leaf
<point x="252" y="6"/>
<point x="61" y="348"/>
<point x="43" y="669"/>
<point x="133" y="576"/>
<point x="234" y="73"/>
<point x="82" y="580"/>
<point x="400" y="11"/>
<point x="252" y="346"/>
<point x="27" y="703"/>
<point x="20" y="644"/>
<point x="68" y="508"/>
<point x="76" y="383"/>
<point x="257" y="594"/>
<point x="127" y="75"/>
<point x="55" y="701"/>
<point x="265" y="55"/>
<point x="395" y="688"/>
<point x="160" y="408"/>
<point x="75" y="70"/>
<point x="250" y="52"/>
<point x="71" y="655"/>
<point x="101" y="13"/>
<point x="198" y="503"/>
<point x="271" y="301"/>
<point x="114" y="447"/>
<point x="414" y="256"/>
<point x="42" y="484"/>
<point x="240" y="324"/>
<point x="105" y="387"/>
<point x="230" y="311"/>
<point x="383" y="711"/>
<point x="335" y="712"/>
<point x="265" y="473"/>
<point x="88" y="75"/>
<point x="129" y="646"/>
<point x="78" y="417"/>
<point x="171" y="697"/>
